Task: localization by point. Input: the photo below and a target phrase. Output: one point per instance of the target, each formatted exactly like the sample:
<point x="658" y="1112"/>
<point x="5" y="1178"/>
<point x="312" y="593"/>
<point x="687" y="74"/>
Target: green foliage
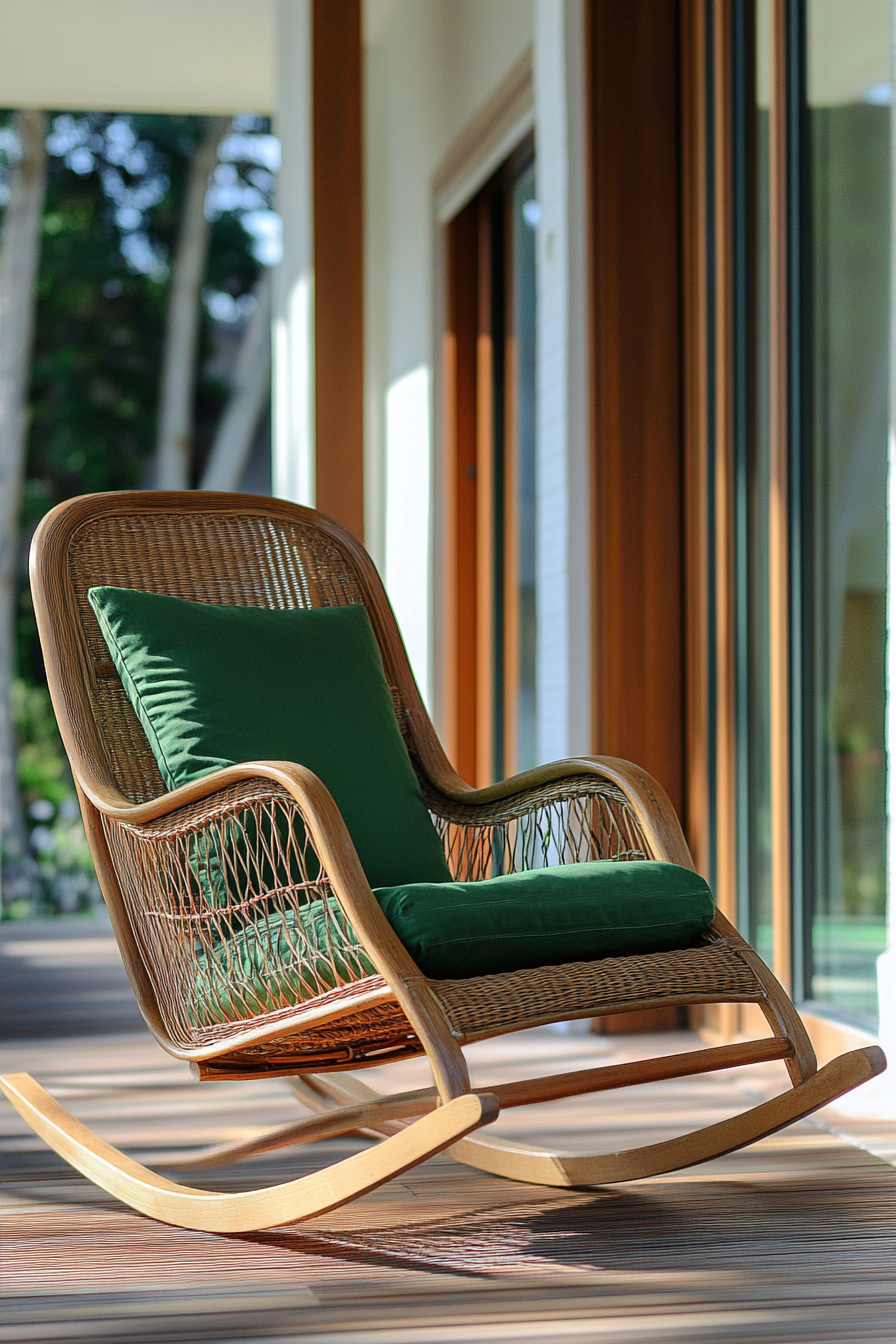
<point x="64" y="882"/>
<point x="113" y="206"/>
<point x="115" y="190"/>
<point x="60" y="872"/>
<point x="43" y="769"/>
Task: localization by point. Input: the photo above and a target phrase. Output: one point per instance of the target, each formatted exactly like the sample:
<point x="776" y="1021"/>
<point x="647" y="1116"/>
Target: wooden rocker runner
<point x="272" y="924"/>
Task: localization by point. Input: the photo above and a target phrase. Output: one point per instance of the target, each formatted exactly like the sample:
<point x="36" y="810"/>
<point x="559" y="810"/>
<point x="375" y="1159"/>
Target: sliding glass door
<point x="812" y="107"/>
<point x="848" y="167"/>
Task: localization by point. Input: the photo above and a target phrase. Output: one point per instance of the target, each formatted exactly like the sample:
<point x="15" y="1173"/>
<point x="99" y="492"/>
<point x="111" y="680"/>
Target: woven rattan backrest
<point x="250" y="554"/>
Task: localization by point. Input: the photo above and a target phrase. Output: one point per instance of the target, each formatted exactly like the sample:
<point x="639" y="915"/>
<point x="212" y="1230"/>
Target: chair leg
<point x="205" y="1211"/>
<point x="539" y="1166"/>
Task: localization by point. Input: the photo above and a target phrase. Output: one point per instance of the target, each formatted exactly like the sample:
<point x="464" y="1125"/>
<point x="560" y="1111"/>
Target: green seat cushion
<point x="215" y="686"/>
<point x="454" y="930"/>
<point x="548" y="916"/>
<point x="276" y="961"/>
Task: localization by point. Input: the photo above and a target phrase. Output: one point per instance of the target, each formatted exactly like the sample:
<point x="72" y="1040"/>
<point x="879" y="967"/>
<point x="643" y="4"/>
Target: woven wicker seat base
<point x="489" y="1005"/>
<point x="249" y="930"/>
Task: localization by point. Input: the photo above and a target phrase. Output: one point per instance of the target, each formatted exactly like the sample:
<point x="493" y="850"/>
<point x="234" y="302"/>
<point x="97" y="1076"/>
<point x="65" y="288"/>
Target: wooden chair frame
<point x="208" y="547"/>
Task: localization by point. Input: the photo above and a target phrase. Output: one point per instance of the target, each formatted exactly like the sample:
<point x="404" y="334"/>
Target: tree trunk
<point x="174" y="443"/>
<point x="18" y="294"/>
<point x="251" y="392"/>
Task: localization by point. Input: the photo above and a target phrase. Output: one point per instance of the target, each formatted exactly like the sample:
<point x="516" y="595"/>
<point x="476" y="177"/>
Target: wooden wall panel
<point x="338" y="260"/>
<point x="722" y="466"/>
<point x="460" y="354"/>
<point x="635" y="130"/>
<point x="485" y="496"/>
<point x="779" y="522"/>
<point x="695" y="290"/>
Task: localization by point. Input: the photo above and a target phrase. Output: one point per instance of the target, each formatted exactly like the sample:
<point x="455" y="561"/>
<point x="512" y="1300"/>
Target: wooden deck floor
<point x="793" y="1240"/>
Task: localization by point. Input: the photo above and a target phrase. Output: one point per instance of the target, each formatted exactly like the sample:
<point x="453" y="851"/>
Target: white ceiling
<point x="193" y="56"/>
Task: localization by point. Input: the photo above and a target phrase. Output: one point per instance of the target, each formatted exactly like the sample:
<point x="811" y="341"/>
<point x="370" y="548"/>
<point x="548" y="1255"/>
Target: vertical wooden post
<point x="338" y="174"/>
<point x="635" y="204"/>
<point x="709" y="458"/>
<point x="723" y="467"/>
<point x="485" y="502"/>
<point x="694" y="167"/>
<point x="460" y="492"/>
<point x="779" y="566"/>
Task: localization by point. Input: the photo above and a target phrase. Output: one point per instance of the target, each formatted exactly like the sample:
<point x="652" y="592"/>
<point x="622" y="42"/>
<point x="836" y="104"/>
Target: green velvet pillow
<point x="548" y="916"/>
<point x="214" y="686"/>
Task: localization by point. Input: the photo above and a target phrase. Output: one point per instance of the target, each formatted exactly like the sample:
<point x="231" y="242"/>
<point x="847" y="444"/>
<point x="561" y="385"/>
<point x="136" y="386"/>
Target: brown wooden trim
<point x="448" y="491"/>
<point x="723" y="356"/>
<point x="459" y="492"/>
<point x="709" y="289"/>
<point x="779" y="570"/>
<point x="338" y="174"/>
<point x="696" y="431"/>
<point x="589" y="140"/>
<point x="635" y="91"/>
<point x="511" y="544"/>
<point x="485" y="499"/>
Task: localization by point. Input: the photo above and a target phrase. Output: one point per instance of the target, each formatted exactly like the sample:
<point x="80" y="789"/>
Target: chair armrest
<point x="588" y="807"/>
<point x="197" y="867"/>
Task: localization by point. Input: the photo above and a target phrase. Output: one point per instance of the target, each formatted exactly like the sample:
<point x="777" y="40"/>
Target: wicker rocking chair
<point x="371" y="1003"/>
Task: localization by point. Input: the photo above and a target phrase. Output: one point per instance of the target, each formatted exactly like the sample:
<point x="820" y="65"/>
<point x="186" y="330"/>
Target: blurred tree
<point x="115" y="193"/>
<point x="173" y="467"/>
<point x="18" y="270"/>
<point x="232" y="444"/>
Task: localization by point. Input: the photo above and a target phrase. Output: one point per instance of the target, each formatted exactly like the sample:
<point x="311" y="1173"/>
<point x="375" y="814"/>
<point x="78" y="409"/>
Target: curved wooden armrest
<point x="339" y="861"/>
<point x="327" y="832"/>
<point x="646" y="797"/>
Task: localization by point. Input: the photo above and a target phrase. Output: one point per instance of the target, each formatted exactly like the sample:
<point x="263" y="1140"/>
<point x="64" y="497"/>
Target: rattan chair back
<point x="235" y="550"/>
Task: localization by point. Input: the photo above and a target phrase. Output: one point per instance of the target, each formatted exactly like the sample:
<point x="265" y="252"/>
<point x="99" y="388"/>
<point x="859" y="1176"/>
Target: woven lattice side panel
<point x="566" y="821"/>
<point x="235" y="918"/>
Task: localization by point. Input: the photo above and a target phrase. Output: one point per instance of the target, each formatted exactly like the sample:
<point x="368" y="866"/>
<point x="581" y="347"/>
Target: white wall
<point x="293" y="291"/>
<point x="430" y="67"/>
<point x="563" y="553"/>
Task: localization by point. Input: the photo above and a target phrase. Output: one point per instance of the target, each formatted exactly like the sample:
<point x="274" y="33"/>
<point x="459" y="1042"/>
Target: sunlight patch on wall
<point x="408" y="508"/>
<point x="294" y="396"/>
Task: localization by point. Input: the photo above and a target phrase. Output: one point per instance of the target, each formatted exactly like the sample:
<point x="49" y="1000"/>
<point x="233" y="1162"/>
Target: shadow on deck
<point x="793" y="1240"/>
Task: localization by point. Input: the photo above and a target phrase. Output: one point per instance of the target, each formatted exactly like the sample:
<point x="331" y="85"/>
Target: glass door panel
<point x="521" y="571"/>
<point x="755" y="879"/>
<point x="848" y="151"/>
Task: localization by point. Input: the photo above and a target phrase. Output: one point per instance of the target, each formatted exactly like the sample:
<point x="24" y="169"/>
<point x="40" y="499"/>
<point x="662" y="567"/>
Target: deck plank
<point x="792" y="1241"/>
